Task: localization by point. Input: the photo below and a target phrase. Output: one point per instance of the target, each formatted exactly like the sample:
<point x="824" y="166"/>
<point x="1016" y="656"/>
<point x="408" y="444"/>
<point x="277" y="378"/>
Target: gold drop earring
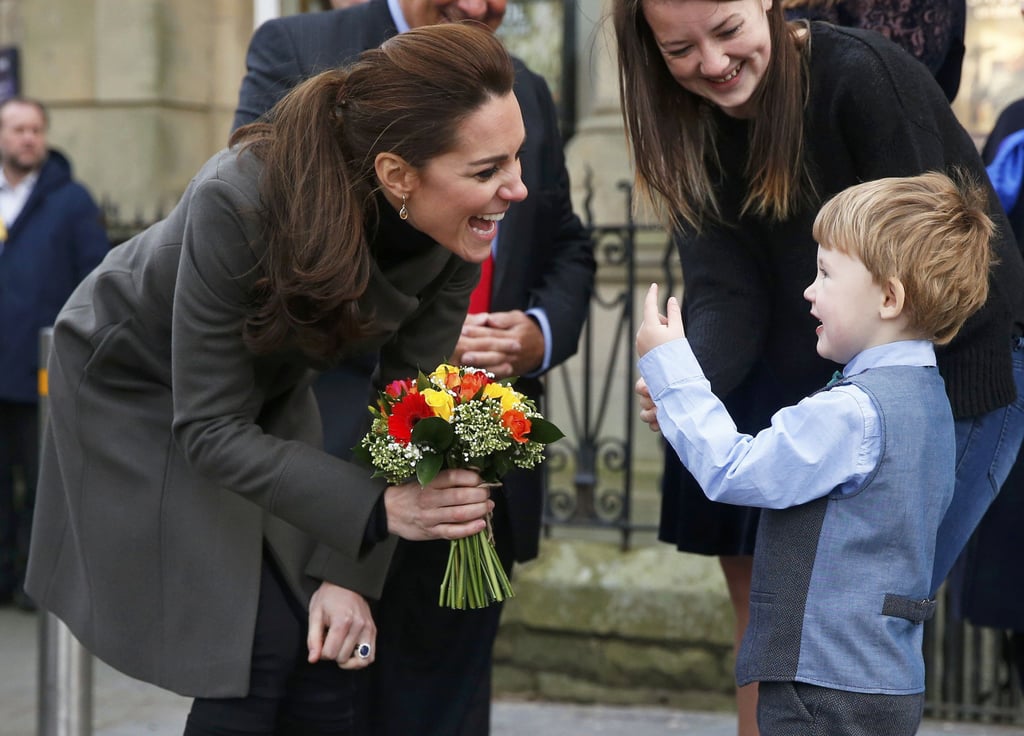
<point x="404" y="212"/>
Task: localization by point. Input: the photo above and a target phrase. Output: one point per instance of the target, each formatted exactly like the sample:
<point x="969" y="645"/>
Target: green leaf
<point x="361" y="454"/>
<point x="502" y="463"/>
<point x="434" y="433"/>
<point x="423" y="381"/>
<point x="428" y="468"/>
<point x="543" y="431"/>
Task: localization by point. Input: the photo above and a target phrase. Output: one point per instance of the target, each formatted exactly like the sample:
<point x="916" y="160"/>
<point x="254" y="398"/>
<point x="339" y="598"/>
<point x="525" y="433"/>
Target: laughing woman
<point x="187" y="521"/>
<point x="741" y="126"/>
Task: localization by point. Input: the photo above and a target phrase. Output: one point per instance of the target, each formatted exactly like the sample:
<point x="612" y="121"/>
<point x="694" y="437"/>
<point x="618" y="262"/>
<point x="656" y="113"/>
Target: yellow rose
<point x="441" y="402"/>
<point x="509" y="399"/>
<point x="445" y="375"/>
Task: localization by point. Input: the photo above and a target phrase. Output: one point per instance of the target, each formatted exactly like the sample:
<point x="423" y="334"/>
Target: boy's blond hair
<point x="930" y="232"/>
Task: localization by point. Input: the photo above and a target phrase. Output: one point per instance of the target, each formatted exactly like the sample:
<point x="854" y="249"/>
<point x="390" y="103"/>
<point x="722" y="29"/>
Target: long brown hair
<point x="318" y="185"/>
<point x="672" y="132"/>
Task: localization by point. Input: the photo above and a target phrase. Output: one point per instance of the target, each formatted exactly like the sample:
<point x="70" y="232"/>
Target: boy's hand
<point x="648" y="410"/>
<point x="656" y="329"/>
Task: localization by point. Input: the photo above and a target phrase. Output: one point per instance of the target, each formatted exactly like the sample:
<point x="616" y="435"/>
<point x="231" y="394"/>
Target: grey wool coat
<point x="173" y="454"/>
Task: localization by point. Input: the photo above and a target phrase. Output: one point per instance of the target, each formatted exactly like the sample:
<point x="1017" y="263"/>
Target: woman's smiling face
<point x="716" y="49"/>
<point x="459" y="197"/>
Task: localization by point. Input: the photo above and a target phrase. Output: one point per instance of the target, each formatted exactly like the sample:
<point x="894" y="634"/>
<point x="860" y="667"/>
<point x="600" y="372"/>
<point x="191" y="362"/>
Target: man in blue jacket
<point x="50" y="237"/>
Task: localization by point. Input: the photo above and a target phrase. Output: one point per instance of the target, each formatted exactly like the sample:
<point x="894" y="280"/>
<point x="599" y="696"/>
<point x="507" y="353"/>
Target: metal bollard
<point x="65" y="666"/>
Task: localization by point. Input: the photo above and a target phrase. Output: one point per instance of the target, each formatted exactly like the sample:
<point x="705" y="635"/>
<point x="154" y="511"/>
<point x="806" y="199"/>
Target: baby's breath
<point x="478" y="429"/>
<point x="392" y="460"/>
<point x="529" y="455"/>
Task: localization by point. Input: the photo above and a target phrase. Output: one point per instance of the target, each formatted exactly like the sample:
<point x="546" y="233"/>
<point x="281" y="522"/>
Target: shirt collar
<point x="401" y="24"/>
<point x="902" y="352"/>
<point x="28" y="182"/>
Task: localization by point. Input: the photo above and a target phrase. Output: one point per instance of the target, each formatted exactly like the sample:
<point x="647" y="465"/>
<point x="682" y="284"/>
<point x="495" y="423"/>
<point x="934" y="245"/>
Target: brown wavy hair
<point x="672" y="132"/>
<point x="318" y="146"/>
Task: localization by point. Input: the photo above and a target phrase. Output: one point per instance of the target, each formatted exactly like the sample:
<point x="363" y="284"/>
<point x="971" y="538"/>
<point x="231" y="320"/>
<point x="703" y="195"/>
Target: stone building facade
<point x="141" y="92"/>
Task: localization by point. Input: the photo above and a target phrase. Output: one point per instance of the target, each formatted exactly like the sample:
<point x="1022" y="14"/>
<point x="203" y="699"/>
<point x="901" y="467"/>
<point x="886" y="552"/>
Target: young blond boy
<point x="856" y="477"/>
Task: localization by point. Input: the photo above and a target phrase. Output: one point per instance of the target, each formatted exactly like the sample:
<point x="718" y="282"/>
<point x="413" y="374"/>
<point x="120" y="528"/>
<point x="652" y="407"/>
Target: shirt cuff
<point x="667" y="364"/>
<point x="541" y="318"/>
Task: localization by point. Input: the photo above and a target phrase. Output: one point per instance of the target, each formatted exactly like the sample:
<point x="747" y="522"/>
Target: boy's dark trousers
<point x="799" y="709"/>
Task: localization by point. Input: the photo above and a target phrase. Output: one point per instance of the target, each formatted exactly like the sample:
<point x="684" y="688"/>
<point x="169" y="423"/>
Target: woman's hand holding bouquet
<point x="425" y="512"/>
<point x="458" y="417"/>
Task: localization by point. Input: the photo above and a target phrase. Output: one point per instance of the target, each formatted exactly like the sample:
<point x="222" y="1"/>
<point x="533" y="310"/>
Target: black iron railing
<point x="590" y="473"/>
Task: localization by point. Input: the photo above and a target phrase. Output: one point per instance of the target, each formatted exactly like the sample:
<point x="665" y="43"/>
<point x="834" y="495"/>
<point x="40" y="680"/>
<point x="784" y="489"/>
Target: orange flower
<point x="516" y="423"/>
<point x="471" y="383"/>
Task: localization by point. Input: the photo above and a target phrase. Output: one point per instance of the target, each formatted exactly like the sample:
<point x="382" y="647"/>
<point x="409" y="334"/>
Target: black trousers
<point x="432" y="673"/>
<point x="287" y="695"/>
<point x="19" y="458"/>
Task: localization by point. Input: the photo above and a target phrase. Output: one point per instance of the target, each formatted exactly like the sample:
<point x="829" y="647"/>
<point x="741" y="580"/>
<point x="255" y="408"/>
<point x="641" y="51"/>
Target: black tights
<point x="287" y="695"/>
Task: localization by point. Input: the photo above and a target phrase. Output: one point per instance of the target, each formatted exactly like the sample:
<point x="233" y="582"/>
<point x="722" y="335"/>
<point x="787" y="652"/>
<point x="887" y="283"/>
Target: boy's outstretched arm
<point x="656" y="329"/>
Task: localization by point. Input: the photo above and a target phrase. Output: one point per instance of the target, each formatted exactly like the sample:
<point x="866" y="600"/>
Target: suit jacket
<point x="544" y="256"/>
<point x="148" y="540"/>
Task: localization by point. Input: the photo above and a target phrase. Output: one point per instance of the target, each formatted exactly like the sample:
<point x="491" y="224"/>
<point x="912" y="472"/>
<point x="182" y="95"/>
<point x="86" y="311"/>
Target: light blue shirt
<point x="402" y="25"/>
<point x="829" y="441"/>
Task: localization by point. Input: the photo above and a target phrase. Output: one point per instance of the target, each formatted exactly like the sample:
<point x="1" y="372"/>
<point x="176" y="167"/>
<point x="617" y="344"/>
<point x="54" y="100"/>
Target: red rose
<point x="405" y="414"/>
<point x="516" y="423"/>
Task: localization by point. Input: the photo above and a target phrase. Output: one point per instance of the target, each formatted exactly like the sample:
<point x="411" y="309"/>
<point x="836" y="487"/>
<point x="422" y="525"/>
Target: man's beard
<point x="17" y="165"/>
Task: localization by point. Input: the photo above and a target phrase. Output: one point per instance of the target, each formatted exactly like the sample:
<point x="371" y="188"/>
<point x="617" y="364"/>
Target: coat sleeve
<point x="221" y="400"/>
<point x="725" y="300"/>
<point x="895" y="121"/>
<point x="272" y="69"/>
<point x="425" y="339"/>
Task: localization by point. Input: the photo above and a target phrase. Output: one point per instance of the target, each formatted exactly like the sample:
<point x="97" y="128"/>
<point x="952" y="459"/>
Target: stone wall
<point x="591" y="623"/>
<point x="141" y="92"/>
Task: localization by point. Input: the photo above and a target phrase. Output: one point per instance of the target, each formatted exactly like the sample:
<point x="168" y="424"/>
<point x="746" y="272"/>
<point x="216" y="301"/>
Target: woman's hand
<point x="340" y="625"/>
<point x="648" y="411"/>
<point x="451" y="506"/>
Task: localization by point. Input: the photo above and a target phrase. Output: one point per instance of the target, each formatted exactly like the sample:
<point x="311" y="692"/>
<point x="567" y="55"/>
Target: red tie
<point x="480" y="299"/>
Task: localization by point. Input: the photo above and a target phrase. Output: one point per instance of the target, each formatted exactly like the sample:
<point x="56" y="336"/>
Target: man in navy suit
<point x="433" y="665"/>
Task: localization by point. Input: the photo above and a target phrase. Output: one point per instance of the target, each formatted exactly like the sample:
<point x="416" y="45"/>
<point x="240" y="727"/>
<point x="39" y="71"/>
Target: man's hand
<point x="656" y="329"/>
<point x="339" y="623"/>
<point x="504" y="343"/>
<point x="451" y="506"/>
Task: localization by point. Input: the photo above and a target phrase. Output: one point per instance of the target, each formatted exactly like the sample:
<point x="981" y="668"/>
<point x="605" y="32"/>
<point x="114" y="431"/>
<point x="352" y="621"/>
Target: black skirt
<point x="694" y="524"/>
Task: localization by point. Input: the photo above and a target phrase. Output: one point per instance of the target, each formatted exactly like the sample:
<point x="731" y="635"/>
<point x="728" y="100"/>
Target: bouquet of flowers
<point x="457" y="417"/>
